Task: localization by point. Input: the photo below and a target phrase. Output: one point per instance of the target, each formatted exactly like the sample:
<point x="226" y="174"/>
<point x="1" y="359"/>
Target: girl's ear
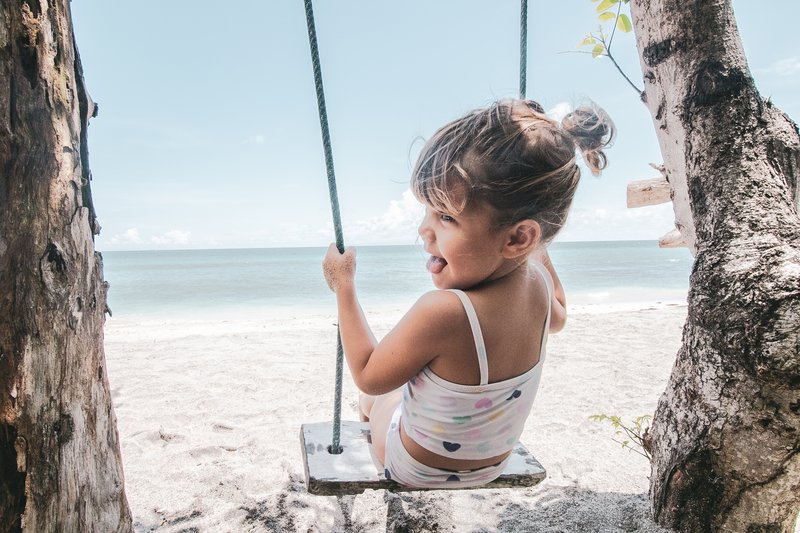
<point x="523" y="238"/>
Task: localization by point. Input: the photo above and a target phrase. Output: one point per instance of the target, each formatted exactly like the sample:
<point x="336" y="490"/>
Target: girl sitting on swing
<point x="448" y="389"/>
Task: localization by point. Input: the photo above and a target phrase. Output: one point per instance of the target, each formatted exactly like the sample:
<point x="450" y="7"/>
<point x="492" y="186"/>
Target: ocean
<point x="231" y="281"/>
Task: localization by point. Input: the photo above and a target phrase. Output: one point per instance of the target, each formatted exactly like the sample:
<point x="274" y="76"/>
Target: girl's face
<point x="466" y="248"/>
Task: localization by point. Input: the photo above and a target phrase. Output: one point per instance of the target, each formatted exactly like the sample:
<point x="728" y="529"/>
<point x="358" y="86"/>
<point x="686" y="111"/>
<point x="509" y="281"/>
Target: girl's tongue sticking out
<point x="436" y="264"/>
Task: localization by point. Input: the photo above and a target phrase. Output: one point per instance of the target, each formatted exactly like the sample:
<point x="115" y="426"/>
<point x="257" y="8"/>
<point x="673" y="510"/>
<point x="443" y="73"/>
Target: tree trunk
<point x="726" y="433"/>
<point x="60" y="465"/>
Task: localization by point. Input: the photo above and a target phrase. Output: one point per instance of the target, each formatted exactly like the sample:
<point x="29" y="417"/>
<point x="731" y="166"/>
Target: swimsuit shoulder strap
<point x="480" y="347"/>
<point x="548" y="282"/>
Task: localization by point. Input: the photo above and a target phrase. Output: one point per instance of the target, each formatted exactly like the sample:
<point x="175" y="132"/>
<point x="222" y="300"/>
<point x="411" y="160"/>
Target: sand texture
<point x="209" y="412"/>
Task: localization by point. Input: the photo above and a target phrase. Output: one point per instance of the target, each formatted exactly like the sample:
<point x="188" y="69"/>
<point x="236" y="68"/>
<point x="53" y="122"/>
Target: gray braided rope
<point x="337" y="221"/>
<point x="523" y="48"/>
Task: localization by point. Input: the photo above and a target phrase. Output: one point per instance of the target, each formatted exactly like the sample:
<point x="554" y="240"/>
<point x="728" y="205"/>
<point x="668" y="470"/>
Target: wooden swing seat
<point x="353" y="471"/>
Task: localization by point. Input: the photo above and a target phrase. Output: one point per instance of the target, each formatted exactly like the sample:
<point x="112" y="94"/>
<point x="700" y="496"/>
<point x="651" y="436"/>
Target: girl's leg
<point x="380" y="415"/>
<point x="365" y="403"/>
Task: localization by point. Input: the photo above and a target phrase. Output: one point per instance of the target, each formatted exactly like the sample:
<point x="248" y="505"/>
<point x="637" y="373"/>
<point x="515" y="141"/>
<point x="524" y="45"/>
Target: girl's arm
<point x="376" y="367"/>
<point x="558" y="307"/>
<point x="358" y="341"/>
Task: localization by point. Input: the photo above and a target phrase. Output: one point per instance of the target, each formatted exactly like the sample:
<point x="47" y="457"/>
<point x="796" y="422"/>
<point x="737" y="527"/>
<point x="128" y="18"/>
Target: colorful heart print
<point x="483" y="403"/>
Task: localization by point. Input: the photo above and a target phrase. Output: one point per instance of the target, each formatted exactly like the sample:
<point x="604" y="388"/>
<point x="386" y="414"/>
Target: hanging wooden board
<point x="648" y="192"/>
<point x="353" y="471"/>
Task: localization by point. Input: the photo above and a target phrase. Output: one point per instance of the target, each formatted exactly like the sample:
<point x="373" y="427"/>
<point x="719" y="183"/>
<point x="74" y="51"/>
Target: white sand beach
<point x="209" y="413"/>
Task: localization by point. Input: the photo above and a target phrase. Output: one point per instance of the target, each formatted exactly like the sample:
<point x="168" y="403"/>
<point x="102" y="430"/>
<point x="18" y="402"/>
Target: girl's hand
<point x="339" y="269"/>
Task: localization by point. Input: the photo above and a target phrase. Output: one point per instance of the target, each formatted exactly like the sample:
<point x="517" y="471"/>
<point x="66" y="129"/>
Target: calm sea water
<point x="187" y="282"/>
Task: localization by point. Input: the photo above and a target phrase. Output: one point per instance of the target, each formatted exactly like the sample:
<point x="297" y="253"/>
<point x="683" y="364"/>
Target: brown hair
<point x="515" y="158"/>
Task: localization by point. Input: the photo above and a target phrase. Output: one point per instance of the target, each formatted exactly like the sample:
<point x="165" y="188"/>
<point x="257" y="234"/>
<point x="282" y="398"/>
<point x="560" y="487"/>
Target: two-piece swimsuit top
<point x="472" y="421"/>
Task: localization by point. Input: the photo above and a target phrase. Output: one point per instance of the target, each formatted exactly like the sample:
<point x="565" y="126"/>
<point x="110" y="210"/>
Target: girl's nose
<point x="424" y="229"/>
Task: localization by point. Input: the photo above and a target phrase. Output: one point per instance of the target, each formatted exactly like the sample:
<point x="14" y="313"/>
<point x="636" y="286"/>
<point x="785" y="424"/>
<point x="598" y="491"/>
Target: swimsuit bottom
<point x="401" y="467"/>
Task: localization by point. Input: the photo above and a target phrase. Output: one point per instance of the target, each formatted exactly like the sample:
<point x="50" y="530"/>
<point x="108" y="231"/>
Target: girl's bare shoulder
<point x="426" y="326"/>
<point x="436" y="312"/>
<point x="439" y="306"/>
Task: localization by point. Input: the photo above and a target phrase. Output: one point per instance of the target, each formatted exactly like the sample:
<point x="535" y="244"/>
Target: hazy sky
<point x="208" y="135"/>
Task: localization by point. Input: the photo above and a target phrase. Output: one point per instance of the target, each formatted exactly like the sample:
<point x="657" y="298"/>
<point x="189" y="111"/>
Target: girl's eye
<point x="446" y="218"/>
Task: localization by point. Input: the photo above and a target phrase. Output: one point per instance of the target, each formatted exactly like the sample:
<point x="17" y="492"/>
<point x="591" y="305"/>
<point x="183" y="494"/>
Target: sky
<point x="208" y="134"/>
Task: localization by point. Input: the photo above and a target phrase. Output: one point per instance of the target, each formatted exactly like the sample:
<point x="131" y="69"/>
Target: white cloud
<point x="130" y="236"/>
<point x="396" y="225"/>
<point x="255" y="139"/>
<point x="644" y="223"/>
<point x="559" y="111"/>
<point x="176" y="237"/>
<point x="403" y="213"/>
<point x="784" y="67"/>
<point x="133" y="238"/>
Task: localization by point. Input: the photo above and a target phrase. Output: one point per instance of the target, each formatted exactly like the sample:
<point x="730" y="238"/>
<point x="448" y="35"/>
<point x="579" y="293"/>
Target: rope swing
<point x="335" y="446"/>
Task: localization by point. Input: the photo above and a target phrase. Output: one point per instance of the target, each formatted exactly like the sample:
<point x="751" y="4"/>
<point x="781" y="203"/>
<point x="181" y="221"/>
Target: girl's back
<point x="454" y="418"/>
<point x="512" y="314"/>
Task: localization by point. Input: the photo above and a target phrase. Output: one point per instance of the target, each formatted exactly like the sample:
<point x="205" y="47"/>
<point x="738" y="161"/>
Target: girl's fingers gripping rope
<point x="339" y="269"/>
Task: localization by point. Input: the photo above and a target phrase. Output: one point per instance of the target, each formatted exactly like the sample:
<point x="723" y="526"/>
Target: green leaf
<point x="605" y="4"/>
<point x="623" y="23"/>
<point x="588" y="40"/>
<point x="597" y="51"/>
<point x="605" y="17"/>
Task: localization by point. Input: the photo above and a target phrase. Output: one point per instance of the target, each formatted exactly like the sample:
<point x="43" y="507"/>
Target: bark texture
<point x="726" y="434"/>
<point x="60" y="465"/>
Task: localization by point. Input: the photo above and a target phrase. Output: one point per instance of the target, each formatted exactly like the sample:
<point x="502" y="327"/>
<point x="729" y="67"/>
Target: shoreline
<point x="246" y="315"/>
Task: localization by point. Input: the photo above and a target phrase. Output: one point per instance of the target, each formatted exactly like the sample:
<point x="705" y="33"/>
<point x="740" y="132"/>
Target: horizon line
<point x="286" y="247"/>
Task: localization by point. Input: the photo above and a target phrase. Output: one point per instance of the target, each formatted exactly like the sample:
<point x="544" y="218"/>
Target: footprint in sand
<point x="210" y="451"/>
<point x="160" y="435"/>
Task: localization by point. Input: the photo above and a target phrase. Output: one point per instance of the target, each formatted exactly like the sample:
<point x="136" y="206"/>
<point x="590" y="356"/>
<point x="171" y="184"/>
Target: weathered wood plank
<point x="648" y="192"/>
<point x="673" y="239"/>
<point x="354" y="470"/>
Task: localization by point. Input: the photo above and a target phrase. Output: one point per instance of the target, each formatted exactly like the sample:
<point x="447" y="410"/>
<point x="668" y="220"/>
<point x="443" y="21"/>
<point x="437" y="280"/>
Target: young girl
<point x="448" y="390"/>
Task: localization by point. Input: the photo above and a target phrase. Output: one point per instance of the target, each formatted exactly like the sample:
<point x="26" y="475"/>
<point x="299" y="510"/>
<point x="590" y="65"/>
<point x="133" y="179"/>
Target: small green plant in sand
<point x="629" y="435"/>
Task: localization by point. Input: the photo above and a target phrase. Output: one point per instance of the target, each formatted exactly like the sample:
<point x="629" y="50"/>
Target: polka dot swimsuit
<point x="471" y="421"/>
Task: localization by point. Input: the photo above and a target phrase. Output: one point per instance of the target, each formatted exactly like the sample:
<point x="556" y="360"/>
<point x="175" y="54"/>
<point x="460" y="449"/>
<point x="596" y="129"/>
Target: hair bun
<point x="591" y="130"/>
